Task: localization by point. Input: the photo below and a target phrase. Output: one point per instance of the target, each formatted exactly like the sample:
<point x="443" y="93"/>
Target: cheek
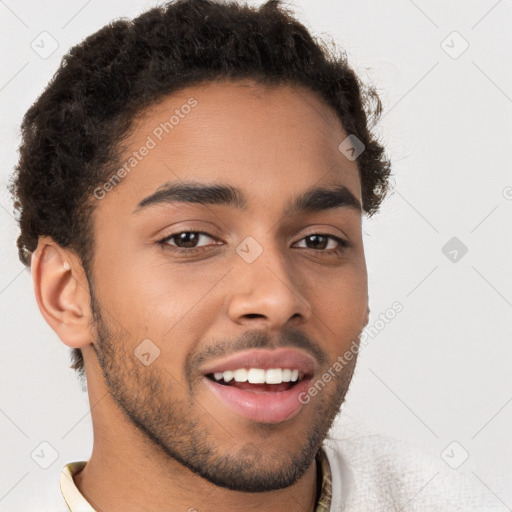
<point x="340" y="304"/>
<point x="156" y="300"/>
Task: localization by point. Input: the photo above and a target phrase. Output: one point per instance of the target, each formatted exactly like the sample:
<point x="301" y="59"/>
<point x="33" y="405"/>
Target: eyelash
<point x="342" y="244"/>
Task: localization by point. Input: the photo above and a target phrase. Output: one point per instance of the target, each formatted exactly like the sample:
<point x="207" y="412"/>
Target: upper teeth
<point x="259" y="376"/>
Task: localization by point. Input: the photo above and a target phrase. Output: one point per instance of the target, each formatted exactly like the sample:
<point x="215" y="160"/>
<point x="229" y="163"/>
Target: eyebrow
<point x="314" y="199"/>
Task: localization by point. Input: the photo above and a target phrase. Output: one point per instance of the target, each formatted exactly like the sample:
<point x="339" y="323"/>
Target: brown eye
<point x="185" y="239"/>
<point x="188" y="239"/>
<point x="326" y="243"/>
<point x="317" y="242"/>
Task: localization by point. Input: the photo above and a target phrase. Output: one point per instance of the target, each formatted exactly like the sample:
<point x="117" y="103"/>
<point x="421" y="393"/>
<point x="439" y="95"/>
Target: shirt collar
<point x="325" y="477"/>
<point x="77" y="503"/>
<point x="72" y="496"/>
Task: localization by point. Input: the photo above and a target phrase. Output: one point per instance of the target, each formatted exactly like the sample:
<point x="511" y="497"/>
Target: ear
<point x="62" y="292"/>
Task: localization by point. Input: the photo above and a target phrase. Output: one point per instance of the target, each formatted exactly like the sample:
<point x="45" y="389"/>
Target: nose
<point x="266" y="293"/>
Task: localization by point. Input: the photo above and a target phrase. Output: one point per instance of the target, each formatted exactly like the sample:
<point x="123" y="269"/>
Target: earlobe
<point x="62" y="297"/>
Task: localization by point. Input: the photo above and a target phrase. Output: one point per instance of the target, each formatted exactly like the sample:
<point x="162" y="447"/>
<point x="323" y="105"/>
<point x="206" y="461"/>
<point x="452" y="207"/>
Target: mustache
<point x="291" y="338"/>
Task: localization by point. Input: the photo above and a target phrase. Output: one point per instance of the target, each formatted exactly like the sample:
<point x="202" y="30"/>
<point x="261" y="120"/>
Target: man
<point x="191" y="187"/>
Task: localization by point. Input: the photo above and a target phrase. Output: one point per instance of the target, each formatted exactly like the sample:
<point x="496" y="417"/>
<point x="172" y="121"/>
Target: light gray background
<point x="441" y="370"/>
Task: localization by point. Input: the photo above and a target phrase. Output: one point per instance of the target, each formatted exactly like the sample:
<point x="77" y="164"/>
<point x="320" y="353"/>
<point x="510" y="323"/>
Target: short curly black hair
<point x="72" y="135"/>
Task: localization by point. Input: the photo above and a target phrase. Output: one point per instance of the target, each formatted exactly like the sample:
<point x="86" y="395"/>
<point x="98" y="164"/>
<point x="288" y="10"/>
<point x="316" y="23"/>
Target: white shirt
<point x="372" y="473"/>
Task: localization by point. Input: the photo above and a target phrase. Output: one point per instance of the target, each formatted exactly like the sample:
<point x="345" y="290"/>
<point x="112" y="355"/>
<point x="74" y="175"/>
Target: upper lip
<point x="265" y="359"/>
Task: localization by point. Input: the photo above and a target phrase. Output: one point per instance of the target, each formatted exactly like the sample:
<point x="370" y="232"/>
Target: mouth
<point x="261" y="385"/>
<point x="259" y="380"/>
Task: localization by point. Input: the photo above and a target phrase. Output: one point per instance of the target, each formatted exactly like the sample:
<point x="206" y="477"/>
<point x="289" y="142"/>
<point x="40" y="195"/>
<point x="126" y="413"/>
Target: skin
<point x="157" y="426"/>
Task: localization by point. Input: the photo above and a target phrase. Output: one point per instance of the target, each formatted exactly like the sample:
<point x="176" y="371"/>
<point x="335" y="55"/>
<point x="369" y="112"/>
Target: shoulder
<point x="377" y="472"/>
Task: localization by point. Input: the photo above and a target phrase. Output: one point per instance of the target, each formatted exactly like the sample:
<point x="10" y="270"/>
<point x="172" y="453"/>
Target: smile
<point x="262" y="385"/>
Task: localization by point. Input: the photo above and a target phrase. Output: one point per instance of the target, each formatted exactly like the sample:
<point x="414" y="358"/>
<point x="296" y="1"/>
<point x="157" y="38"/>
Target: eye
<point x="321" y="242"/>
<point x="185" y="240"/>
<point x="188" y="241"/>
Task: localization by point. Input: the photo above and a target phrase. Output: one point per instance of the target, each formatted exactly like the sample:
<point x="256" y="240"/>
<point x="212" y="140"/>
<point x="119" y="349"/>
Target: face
<point x="223" y="288"/>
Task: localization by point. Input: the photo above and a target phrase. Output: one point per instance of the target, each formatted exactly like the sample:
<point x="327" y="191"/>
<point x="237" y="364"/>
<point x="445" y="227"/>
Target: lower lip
<point x="272" y="407"/>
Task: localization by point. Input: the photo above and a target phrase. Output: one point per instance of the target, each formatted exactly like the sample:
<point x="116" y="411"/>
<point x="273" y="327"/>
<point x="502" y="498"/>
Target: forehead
<point x="261" y="139"/>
